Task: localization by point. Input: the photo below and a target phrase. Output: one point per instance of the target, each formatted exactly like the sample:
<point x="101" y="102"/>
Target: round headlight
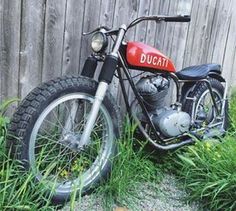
<point x="99" y="42"/>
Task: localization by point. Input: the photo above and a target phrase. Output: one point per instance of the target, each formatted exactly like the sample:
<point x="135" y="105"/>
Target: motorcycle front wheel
<point x="45" y="132"/>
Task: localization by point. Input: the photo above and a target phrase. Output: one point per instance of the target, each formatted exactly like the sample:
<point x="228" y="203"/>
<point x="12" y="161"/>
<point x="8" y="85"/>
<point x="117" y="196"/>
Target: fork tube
<point x="119" y="39"/>
<point x="105" y="79"/>
<point x="100" y="94"/>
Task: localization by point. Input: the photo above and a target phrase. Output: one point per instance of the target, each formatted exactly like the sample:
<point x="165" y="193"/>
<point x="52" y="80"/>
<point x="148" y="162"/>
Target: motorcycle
<point x="65" y="130"/>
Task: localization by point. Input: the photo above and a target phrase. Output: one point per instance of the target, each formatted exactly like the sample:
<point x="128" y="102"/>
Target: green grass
<point x="207" y="169"/>
<point x="131" y="168"/>
<point x="208" y="173"/>
<point x="232" y="112"/>
<point x="18" y="191"/>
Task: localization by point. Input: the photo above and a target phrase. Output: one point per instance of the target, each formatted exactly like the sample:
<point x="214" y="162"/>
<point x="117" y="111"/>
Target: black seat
<point x="198" y="72"/>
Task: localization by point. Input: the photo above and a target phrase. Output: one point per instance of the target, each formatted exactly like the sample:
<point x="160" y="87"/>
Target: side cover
<point x="141" y="55"/>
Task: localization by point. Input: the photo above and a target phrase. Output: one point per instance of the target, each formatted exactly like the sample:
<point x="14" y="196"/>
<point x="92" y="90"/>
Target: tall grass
<point x="18" y="190"/>
<point x="232" y="112"/>
<point x="131" y="168"/>
<point x="208" y="172"/>
<point x="208" y="169"/>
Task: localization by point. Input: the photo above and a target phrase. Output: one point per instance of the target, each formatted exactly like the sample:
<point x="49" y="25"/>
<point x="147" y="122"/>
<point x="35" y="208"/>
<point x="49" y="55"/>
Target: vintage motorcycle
<point x="66" y="129"/>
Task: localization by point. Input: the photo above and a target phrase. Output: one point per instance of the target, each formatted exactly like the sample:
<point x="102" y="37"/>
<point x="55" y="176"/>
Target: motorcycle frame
<point x="160" y="142"/>
<point x="116" y="61"/>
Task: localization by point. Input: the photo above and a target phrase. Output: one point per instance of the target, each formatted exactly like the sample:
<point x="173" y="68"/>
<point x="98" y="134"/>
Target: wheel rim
<point x="205" y="106"/>
<point x="67" y="168"/>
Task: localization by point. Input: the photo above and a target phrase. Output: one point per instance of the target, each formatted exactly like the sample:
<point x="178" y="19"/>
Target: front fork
<point x="99" y="96"/>
<point x="105" y="78"/>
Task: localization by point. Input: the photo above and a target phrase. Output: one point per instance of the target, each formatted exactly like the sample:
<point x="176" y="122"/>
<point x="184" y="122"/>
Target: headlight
<point x="99" y="42"/>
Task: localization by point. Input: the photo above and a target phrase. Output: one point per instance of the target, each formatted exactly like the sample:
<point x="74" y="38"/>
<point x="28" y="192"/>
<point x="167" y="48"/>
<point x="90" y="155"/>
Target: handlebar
<point x="157" y="18"/>
<point x="177" y="18"/>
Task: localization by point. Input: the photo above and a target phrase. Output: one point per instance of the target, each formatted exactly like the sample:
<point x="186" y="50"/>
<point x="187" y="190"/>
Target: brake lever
<point x="97" y="29"/>
<point x="91" y="32"/>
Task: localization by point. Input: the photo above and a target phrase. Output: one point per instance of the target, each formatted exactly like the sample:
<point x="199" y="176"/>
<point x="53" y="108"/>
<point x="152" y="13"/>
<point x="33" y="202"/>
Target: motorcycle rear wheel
<point x="204" y="106"/>
<point x="45" y="132"/>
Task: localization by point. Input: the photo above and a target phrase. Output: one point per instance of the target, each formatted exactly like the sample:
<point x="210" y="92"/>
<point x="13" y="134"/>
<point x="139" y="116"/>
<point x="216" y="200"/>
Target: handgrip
<point x="180" y="18"/>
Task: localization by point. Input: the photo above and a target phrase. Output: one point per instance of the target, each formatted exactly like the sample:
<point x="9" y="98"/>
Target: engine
<point x="167" y="119"/>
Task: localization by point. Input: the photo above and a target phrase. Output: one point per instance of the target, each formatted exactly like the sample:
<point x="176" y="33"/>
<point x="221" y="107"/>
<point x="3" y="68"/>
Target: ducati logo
<point x="153" y="60"/>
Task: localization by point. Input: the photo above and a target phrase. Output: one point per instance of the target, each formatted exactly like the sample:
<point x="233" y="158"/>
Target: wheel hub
<point x="71" y="140"/>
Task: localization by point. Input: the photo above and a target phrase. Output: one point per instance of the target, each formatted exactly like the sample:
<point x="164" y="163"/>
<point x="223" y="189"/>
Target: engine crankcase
<point x="172" y="122"/>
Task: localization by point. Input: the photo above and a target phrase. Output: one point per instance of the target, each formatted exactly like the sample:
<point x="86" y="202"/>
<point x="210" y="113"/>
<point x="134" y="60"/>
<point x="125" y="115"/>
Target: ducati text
<point x="153" y="60"/>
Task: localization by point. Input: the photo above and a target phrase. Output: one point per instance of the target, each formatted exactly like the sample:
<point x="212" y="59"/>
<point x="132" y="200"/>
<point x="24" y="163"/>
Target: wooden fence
<point x="41" y="39"/>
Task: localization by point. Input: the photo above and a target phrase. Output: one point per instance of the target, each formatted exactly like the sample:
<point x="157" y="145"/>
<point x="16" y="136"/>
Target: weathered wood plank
<point x="178" y="42"/>
<point x="141" y="29"/>
<point x="232" y="80"/>
<point x="90" y="22"/>
<point x="189" y="50"/>
<point x="220" y="29"/>
<point x="180" y="32"/>
<point x="199" y="35"/>
<point x="207" y="32"/>
<point x="163" y="7"/>
<point x="10" y="13"/>
<point x="72" y="36"/>
<point x="125" y="12"/>
<point x="151" y="25"/>
<point x="31" y="54"/>
<point x="31" y="51"/>
<point x="53" y="39"/>
<point x="140" y="36"/>
<point x="229" y="61"/>
<point x="41" y="39"/>
<point x="106" y="13"/>
<point x="106" y="19"/>
<point x="168" y="42"/>
<point x="169" y="30"/>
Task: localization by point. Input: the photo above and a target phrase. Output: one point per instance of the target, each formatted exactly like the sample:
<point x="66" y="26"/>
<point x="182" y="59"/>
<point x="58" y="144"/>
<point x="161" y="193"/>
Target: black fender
<point x="90" y="66"/>
<point x="216" y="75"/>
<point x="188" y="87"/>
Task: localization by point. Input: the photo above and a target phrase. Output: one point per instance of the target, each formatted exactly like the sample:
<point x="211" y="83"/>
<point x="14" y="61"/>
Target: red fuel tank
<point x="141" y="55"/>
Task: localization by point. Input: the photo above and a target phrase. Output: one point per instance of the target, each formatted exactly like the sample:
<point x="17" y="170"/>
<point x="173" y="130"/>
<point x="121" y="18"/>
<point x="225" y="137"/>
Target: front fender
<point x="90" y="66"/>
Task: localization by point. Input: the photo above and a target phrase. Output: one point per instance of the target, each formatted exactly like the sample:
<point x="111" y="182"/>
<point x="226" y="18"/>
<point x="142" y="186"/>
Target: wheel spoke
<point x="56" y="155"/>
